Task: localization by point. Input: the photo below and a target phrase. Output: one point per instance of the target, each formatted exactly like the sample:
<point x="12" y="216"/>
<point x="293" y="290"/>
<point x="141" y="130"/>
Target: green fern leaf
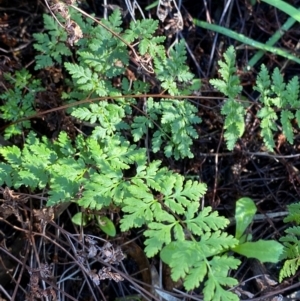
<point x="33" y="177"/>
<point x="278" y="88"/>
<point x="178" y="232"/>
<point x="292" y="96"/>
<point x="140" y="126"/>
<point x="214" y="292"/>
<point x="115" y="20"/>
<point x="220" y="265"/>
<point x="263" y="85"/>
<point x="291" y="243"/>
<point x="285" y="118"/>
<point x="297" y="115"/>
<point x="234" y="122"/>
<point x="138" y="212"/>
<point x="290" y="267"/>
<point x="192" y="189"/>
<point x="51" y="44"/>
<point x="84" y="75"/>
<point x="233" y="110"/>
<point x="12" y="155"/>
<point x="18" y="103"/>
<point x="157" y="232"/>
<point x="177" y="118"/>
<point x="155" y="49"/>
<point x="184" y="252"/>
<point x="61" y="190"/>
<point x="6" y="174"/>
<point x="168" y="185"/>
<point x="269" y="117"/>
<point x="43" y="61"/>
<point x="212" y="243"/>
<point x="100" y="189"/>
<point x="295" y="230"/>
<point x="230" y="83"/>
<point x="154" y="176"/>
<point x="153" y="246"/>
<point x="206" y="221"/>
<point x="193" y="268"/>
<point x="294" y="213"/>
<point x="196" y="275"/>
<point x="291" y="247"/>
<point x="172" y="71"/>
<point x="267" y="135"/>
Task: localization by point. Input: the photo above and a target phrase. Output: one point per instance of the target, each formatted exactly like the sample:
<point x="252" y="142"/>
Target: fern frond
<point x="295" y="230"/>
<point x="291" y="243"/>
<point x="234" y="124"/>
<point x="276" y="94"/>
<point x="205" y="221"/>
<point x="289" y="268"/>
<point x="114" y="21"/>
<point x="108" y="116"/>
<point x="217" y="277"/>
<point x="229" y="85"/>
<point x="263" y="85"/>
<point x="194" y="268"/>
<point x="278" y="87"/>
<point x="292" y="93"/>
<point x="51" y="44"/>
<point x="173" y="71"/>
<point x="7" y="174"/>
<point x="233" y="110"/>
<point x="19" y="101"/>
<point x="285" y="119"/>
<point x="268" y="116"/>
<point x="294" y="213"/>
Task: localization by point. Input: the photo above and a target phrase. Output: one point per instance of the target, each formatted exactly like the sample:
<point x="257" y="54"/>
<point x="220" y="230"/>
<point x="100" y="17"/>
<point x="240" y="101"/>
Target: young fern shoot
<point x="277" y="96"/>
<point x="279" y="103"/>
<point x="232" y="109"/>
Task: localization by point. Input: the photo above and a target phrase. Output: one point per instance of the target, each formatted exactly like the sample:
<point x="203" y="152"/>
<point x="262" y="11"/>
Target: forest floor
<point x="272" y="182"/>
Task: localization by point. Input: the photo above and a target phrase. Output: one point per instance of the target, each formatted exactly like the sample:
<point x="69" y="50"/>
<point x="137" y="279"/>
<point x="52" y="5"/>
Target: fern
<point x="291" y="243"/>
<point x="104" y="57"/>
<point x="276" y="95"/>
<point x="107" y="168"/>
<point x="174" y="73"/>
<point x="19" y="101"/>
<point x="154" y="196"/>
<point x="143" y="31"/>
<point x="51" y="44"/>
<point x="175" y="119"/>
<point x="196" y="265"/>
<point x="233" y="110"/>
<point x="108" y="116"/>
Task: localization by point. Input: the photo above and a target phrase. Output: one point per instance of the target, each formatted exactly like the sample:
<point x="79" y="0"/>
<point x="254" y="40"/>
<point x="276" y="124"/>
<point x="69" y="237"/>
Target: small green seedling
<point x="261" y="249"/>
<point x="104" y="223"/>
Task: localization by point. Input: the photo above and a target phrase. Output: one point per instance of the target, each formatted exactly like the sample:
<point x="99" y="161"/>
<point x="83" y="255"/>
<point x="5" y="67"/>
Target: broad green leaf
<point x="106" y="225"/>
<point x="245" y="210"/>
<point x="80" y="219"/>
<point x="263" y="250"/>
